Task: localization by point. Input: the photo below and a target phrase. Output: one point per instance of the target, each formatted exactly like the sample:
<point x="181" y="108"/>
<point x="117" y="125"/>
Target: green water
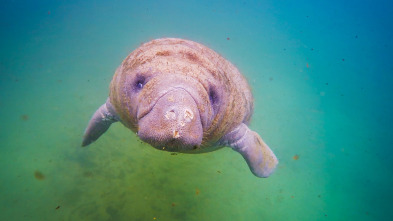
<point x="321" y="74"/>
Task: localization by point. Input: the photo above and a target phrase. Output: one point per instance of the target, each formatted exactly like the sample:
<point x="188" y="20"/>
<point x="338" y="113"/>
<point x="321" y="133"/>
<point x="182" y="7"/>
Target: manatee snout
<point x="173" y="124"/>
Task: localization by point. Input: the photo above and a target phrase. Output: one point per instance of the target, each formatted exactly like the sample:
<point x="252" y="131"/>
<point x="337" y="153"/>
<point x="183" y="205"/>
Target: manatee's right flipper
<point x="99" y="123"/>
<point x="259" y="157"/>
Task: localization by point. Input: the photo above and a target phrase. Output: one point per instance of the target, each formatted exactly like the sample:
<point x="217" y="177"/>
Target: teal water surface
<point x="322" y="78"/>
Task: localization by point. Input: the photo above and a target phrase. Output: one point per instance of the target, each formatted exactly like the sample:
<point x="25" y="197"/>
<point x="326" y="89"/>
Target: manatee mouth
<point x="172" y="122"/>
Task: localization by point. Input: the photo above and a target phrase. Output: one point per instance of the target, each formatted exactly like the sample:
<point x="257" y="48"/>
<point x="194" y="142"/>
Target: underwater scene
<point x="321" y="74"/>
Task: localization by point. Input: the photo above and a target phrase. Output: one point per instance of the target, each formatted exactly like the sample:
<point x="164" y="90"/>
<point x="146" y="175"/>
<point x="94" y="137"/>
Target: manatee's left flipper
<point x="260" y="158"/>
<point x="99" y="123"/>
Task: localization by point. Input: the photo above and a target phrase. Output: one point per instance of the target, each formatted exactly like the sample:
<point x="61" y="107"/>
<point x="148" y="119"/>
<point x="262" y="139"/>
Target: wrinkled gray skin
<point x="181" y="96"/>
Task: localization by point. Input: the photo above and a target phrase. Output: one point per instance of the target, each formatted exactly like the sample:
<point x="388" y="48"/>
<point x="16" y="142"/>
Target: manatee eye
<point x="214" y="98"/>
<point x="213" y="95"/>
<point x="139" y="83"/>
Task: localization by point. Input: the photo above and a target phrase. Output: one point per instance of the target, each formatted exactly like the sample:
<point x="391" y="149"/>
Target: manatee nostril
<point x="170" y="115"/>
<point x="188" y="115"/>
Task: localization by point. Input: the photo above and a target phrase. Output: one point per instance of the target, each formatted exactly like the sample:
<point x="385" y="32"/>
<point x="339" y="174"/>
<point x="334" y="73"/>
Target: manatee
<point x="180" y="96"/>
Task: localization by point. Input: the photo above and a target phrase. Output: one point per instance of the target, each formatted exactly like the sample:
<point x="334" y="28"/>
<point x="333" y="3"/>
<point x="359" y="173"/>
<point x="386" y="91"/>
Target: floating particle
<point x="58" y="207"/>
<point x="197" y="191"/>
<point x="38" y="175"/>
<point x="307" y="65"/>
<point x="24" y="117"/>
<point x="88" y="174"/>
<point x="228" y="39"/>
<point x="296" y="157"/>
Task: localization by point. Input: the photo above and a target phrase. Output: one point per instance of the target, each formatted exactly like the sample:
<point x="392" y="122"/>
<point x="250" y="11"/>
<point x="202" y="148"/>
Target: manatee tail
<point x="259" y="157"/>
<point x="99" y="123"/>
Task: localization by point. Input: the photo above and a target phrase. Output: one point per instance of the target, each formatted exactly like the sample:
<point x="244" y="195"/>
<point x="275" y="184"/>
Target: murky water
<point x="321" y="74"/>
